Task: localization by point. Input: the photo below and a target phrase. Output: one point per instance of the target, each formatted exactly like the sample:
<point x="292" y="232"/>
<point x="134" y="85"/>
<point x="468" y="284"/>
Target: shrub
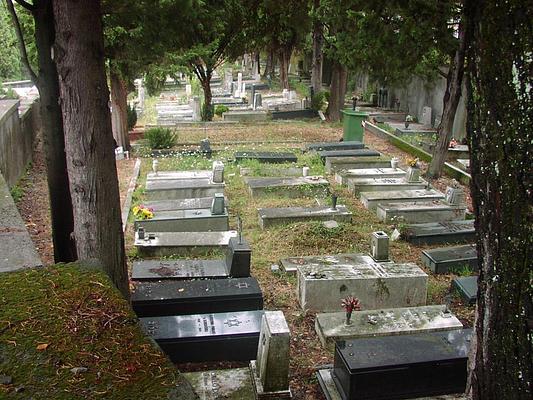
<point x="132" y="117"/>
<point x="160" y="138"/>
<point x="221" y="109"/>
<point x="207" y="112"/>
<point x="319" y="100"/>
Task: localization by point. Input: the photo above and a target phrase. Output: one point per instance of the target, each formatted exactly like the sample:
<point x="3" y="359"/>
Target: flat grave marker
<point x="419" y="212"/>
<point x="343" y="176"/>
<point x="199" y="220"/>
<point x="441" y="232"/>
<point x="348" y="153"/>
<point x="371" y="199"/>
<point x="466" y="286"/>
<point x="182" y="189"/>
<point x="337" y="163"/>
<point x="181" y="204"/>
<point x="310" y="186"/>
<point x="227" y="384"/>
<point x="357" y="185"/>
<point x="269" y="217"/>
<point x="266" y="156"/>
<point x="451" y="259"/>
<point x="328" y="146"/>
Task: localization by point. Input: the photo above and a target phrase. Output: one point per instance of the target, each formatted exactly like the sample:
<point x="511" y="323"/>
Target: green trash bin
<point x="353" y="128"/>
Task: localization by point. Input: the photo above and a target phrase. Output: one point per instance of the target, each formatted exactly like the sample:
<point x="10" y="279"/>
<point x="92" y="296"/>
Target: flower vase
<point x="348" y="318"/>
<point x="394" y="163"/>
<point x="413" y="174"/>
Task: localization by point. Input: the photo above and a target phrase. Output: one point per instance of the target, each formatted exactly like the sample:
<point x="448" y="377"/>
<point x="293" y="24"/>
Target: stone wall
<point x="19" y="125"/>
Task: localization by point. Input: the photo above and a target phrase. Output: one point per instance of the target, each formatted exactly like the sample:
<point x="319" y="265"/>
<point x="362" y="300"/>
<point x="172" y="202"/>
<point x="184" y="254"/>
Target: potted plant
<point x="350" y="304"/>
<point x="413" y="172"/>
<point x="408" y="120"/>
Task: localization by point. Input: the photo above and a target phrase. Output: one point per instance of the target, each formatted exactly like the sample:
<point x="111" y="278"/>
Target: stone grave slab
<point x="228" y="384"/>
<point x="348" y="153"/>
<point x="182" y="189"/>
<point x="181" y="204"/>
<point x="199" y="220"/>
<point x="466" y="286"/>
<point x="178" y="269"/>
<point x="266" y="156"/>
<point x="402" y="367"/>
<point x="357" y="185"/>
<point x="284" y="215"/>
<point x="272" y="171"/>
<point x="290" y="265"/>
<point x="464" y="164"/>
<point x="377" y="285"/>
<point x="441" y="232"/>
<point x="343" y="176"/>
<point x="178" y="175"/>
<point x="328" y="146"/>
<point x="206" y="337"/>
<point x="331" y="327"/>
<point x="182" y="243"/>
<point x="371" y="199"/>
<point x="245" y="115"/>
<point x="419" y="212"/>
<point x="311" y="186"/>
<point x="337" y="163"/>
<point x="451" y="259"/>
<point x="171" y="297"/>
<point x="238" y="258"/>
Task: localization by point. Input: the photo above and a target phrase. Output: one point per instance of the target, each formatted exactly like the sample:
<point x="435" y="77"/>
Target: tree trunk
<point x="119" y="107"/>
<point x="257" y="63"/>
<point x="284" y="60"/>
<point x="339" y="78"/>
<point x="500" y="133"/>
<point x="53" y="136"/>
<point x="79" y="53"/>
<point x="454" y="84"/>
<point x="269" y="67"/>
<point x="316" y="71"/>
<point x="207" y="108"/>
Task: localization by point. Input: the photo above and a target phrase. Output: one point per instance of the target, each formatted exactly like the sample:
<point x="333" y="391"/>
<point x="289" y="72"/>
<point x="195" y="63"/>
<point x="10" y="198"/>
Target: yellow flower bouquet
<point x="413" y="162"/>
<point x="141" y="212"/>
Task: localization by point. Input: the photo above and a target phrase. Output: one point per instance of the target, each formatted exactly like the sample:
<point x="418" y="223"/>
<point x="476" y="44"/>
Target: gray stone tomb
<point x="182" y="189"/>
<point x="283" y="215"/>
<point x="201" y="220"/>
<point x="357" y="185"/>
<point x="337" y="163"/>
<point x="371" y="199"/>
<point x="419" y="212"/>
<point x="380" y="246"/>
<point x="343" y="176"/>
<point x="451" y="259"/>
<point x="309" y="186"/>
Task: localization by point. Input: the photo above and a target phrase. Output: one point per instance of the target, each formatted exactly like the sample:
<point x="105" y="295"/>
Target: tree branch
<point x="26" y="5"/>
<point x="20" y="41"/>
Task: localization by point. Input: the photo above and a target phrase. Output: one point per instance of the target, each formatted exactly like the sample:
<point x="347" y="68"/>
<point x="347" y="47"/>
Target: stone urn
<point x="394" y="163"/>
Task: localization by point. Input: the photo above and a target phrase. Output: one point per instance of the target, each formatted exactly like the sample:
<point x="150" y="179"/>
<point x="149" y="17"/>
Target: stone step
<point x="328" y="146"/>
<point x="440" y="232"/>
<point x="419" y="212"/>
<point x="451" y="259"/>
<point x="348" y="153"/>
<point x="181" y="204"/>
<point x="165" y="244"/>
<point x="308" y="186"/>
<point x="466" y="286"/>
<point x="337" y="163"/>
<point x="371" y="199"/>
<point x="182" y="189"/>
<point x="199" y="220"/>
<point x="377" y="285"/>
<point x="331" y="327"/>
<point x="357" y="185"/>
<point x="170" y="297"/>
<point x="206" y="337"/>
<point x="343" y="176"/>
<point x="266" y="156"/>
<point x="269" y="217"/>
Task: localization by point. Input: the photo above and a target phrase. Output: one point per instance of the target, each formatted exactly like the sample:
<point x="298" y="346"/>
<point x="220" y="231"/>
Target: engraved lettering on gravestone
<point x="241" y="285"/>
<point x="140" y="233"/>
<point x="232" y="322"/>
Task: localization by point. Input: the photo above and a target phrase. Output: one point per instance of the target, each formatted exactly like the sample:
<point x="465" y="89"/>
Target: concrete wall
<point x="19" y="124"/>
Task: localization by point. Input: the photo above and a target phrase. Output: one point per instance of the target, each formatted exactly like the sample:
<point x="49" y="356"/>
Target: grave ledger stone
<point x="266" y="156"/>
<point x="451" y="259"/>
<point x="283" y="215"/>
<point x="441" y="232"/>
<point x="466" y="286"/>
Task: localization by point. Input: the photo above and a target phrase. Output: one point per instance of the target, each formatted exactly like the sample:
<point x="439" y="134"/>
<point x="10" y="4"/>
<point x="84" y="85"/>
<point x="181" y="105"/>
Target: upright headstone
<point x="228" y="79"/>
<point x="217" y="206"/>
<point x="292" y="94"/>
<point x="188" y="90"/>
<point x="243" y="89"/>
<point x="258" y="101"/>
<point x="285" y="94"/>
<point x="238" y="257"/>
<point x="205" y="149"/>
<point x="196" y="112"/>
<point x="218" y="172"/>
<point x="271" y="369"/>
<point x="239" y="85"/>
<point x="426" y="116"/>
<point x="455" y="196"/>
<point x="141" y="93"/>
<point x="380" y="246"/>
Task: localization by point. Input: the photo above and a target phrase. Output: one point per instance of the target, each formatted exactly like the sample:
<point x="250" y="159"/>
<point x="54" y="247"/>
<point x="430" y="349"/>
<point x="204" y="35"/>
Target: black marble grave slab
<point x="329" y="146"/>
<point x="349" y="153"/>
<point x="238" y="258"/>
<point x="265" y="156"/>
<point x="206" y="337"/>
<point x="451" y="259"/>
<point x="294" y="114"/>
<point x="178" y="269"/>
<point x="402" y="367"/>
<point x="466" y="286"/>
<point x="441" y="232"/>
<point x="154" y="299"/>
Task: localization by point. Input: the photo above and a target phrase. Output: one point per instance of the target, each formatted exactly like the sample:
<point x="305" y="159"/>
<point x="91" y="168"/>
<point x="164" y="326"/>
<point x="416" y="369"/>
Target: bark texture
<point x="452" y="96"/>
<point x="119" y="107"/>
<point x="339" y="79"/>
<point x="88" y="137"/>
<point x="318" y="42"/>
<point x="269" y="66"/>
<point x="284" y="61"/>
<point x="500" y="132"/>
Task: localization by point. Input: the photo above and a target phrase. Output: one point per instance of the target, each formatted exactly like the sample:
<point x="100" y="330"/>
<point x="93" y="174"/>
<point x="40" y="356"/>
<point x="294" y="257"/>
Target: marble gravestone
<point x="182" y="189"/>
<point x="181" y="204"/>
<point x="371" y="200"/>
<point x="357" y="185"/>
<point x="270" y="370"/>
<point x="200" y="220"/>
<point x="466" y="286"/>
<point x="441" y="232"/>
<point x="177" y="175"/>
<point x="343" y="176"/>
<point x="310" y="186"/>
<point x="451" y="259"/>
<point x="327" y="146"/>
<point x="269" y="217"/>
<point x="227" y="384"/>
<point x="290" y="265"/>
<point x="266" y="156"/>
<point x="337" y="163"/>
<point x="413" y="212"/>
<point x="348" y="153"/>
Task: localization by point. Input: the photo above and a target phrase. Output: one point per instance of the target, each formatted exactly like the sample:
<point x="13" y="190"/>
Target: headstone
<point x="321" y="115"/>
<point x="265" y="156"/>
<point x="371" y="200"/>
<point x="188" y="90"/>
<point x="451" y="259"/>
<point x="239" y="85"/>
<point x="243" y="89"/>
<point x="290" y="265"/>
<point x="196" y="109"/>
<point x="328" y="146"/>
<point x="348" y="153"/>
<point x="285" y="94"/>
<point x="331" y="327"/>
<point x="218" y="172"/>
<point x="271" y="171"/>
<point x="455" y="196"/>
<point x="310" y="186"/>
<point x="182" y="189"/>
<point x="440" y="232"/>
<point x="160" y="270"/>
<point x="466" y="286"/>
<point x="180" y="297"/>
<point x="426" y="116"/>
<point x="292" y="95"/>
<point x="238" y="257"/>
<point x="269" y="217"/>
<point x="270" y="371"/>
<point x="201" y="220"/>
<point x="181" y="204"/>
<point x="176" y="175"/>
<point x="344" y="175"/>
<point x="205" y="148"/>
<point x="258" y="101"/>
<point x="217" y="206"/>
<point x="380" y="246"/>
<point x="419" y="212"/>
<point x="357" y="185"/>
<point x="400" y="367"/>
<point x="337" y="163"/>
<point x="227" y="384"/>
<point x="228" y="80"/>
<point x="199" y="337"/>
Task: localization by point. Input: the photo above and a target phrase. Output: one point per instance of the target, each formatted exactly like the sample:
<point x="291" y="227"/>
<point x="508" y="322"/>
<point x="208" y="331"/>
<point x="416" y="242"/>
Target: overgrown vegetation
<point x="221" y="109"/>
<point x="132" y="117"/>
<point x="160" y="138"/>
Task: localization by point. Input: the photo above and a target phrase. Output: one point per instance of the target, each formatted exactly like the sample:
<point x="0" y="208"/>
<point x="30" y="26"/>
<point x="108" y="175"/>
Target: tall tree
<point x="318" y="40"/>
<point x="500" y="134"/>
<point x="53" y="136"/>
<point x="79" y="54"/>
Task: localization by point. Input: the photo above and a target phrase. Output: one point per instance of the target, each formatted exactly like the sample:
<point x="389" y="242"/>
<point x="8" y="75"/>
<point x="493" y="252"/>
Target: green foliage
<point x="132" y="117"/>
<point x="160" y="138"/>
<point x="318" y="101"/>
<point x="221" y="109"/>
<point x="17" y="193"/>
<point x="208" y="110"/>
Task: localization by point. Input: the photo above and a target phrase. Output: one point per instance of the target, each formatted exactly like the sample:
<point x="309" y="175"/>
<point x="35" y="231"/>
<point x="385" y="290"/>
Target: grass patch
<point x="62" y="317"/>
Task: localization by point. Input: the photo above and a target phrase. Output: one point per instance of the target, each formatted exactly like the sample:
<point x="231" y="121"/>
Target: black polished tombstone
<point x="206" y="337"/>
<point x="238" y="258"/>
<point x="466" y="286"/>
<point x="265" y="156"/>
<point x="441" y="232"/>
<point x="402" y="367"/>
<point x="451" y="259"/>
<point x="328" y="146"/>
<point x="348" y="153"/>
<point x="154" y="299"/>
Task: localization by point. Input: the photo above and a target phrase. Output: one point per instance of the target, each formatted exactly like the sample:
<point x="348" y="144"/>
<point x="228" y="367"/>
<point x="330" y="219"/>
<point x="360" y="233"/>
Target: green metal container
<point x="353" y="128"/>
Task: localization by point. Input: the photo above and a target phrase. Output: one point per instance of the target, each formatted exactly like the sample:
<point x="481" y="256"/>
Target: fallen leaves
<point x="42" y="346"/>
